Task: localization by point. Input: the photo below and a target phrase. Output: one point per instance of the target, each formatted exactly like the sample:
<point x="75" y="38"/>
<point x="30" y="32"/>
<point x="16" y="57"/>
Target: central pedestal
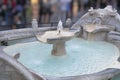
<point x="57" y="39"/>
<point x="58" y="49"/>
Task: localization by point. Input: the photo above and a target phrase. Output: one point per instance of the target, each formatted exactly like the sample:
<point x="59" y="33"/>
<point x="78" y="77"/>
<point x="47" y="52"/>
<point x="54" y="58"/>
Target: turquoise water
<point x="116" y="77"/>
<point x="83" y="57"/>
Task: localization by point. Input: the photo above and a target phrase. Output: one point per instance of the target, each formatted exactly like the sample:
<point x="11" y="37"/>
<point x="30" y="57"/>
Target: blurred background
<point x="16" y="14"/>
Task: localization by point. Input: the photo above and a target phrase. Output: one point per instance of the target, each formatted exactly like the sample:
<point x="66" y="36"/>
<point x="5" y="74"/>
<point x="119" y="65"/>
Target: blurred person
<point x="83" y="4"/>
<point x="19" y="8"/>
<point x="65" y="7"/>
<point x="118" y="4"/>
<point x="94" y="3"/>
<point x="114" y="3"/>
<point x="9" y="9"/>
<point x="55" y="16"/>
<point x="53" y="1"/>
<point x="45" y="11"/>
<point x="35" y="9"/>
<point x="3" y="21"/>
<point x="14" y="3"/>
<point x="40" y="11"/>
<point x="102" y="3"/>
<point x="9" y="13"/>
<point x="5" y="2"/>
<point x="17" y="21"/>
<point x="68" y="10"/>
<point x="54" y="7"/>
<point x="75" y="8"/>
<point x="22" y="4"/>
<point x="2" y="13"/>
<point x="28" y="12"/>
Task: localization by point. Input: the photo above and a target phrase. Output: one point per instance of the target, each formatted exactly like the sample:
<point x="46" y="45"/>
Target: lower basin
<point x="83" y="57"/>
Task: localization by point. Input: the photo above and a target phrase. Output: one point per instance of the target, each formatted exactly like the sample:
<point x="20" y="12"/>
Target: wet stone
<point x="1" y="62"/>
<point x="9" y="68"/>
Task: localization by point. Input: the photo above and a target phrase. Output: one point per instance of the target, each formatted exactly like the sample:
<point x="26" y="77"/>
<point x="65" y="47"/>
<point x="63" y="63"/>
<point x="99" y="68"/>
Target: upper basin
<point x="53" y="36"/>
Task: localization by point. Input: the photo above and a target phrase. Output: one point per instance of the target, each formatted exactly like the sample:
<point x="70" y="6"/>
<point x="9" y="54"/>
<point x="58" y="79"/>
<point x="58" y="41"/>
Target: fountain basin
<point x="83" y="57"/>
<point x="52" y="37"/>
<point x="93" y="28"/>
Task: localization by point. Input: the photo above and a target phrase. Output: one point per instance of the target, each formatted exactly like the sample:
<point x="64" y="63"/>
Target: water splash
<point x="60" y="26"/>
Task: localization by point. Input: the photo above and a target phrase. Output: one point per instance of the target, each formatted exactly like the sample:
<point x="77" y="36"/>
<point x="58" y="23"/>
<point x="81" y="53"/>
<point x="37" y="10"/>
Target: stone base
<point x="91" y="37"/>
<point x="59" y="49"/>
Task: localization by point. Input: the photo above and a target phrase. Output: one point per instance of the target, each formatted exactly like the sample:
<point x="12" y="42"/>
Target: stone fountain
<point x="84" y="58"/>
<point x="58" y="38"/>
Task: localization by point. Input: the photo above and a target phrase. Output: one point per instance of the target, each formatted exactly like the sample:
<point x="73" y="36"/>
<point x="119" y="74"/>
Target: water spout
<point x="89" y="29"/>
<point x="60" y="27"/>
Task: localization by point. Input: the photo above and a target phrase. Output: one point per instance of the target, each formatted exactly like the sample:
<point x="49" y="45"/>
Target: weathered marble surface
<point x="108" y="18"/>
<point x="103" y="75"/>
<point x="21" y="33"/>
<point x="114" y="36"/>
<point x="11" y="69"/>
